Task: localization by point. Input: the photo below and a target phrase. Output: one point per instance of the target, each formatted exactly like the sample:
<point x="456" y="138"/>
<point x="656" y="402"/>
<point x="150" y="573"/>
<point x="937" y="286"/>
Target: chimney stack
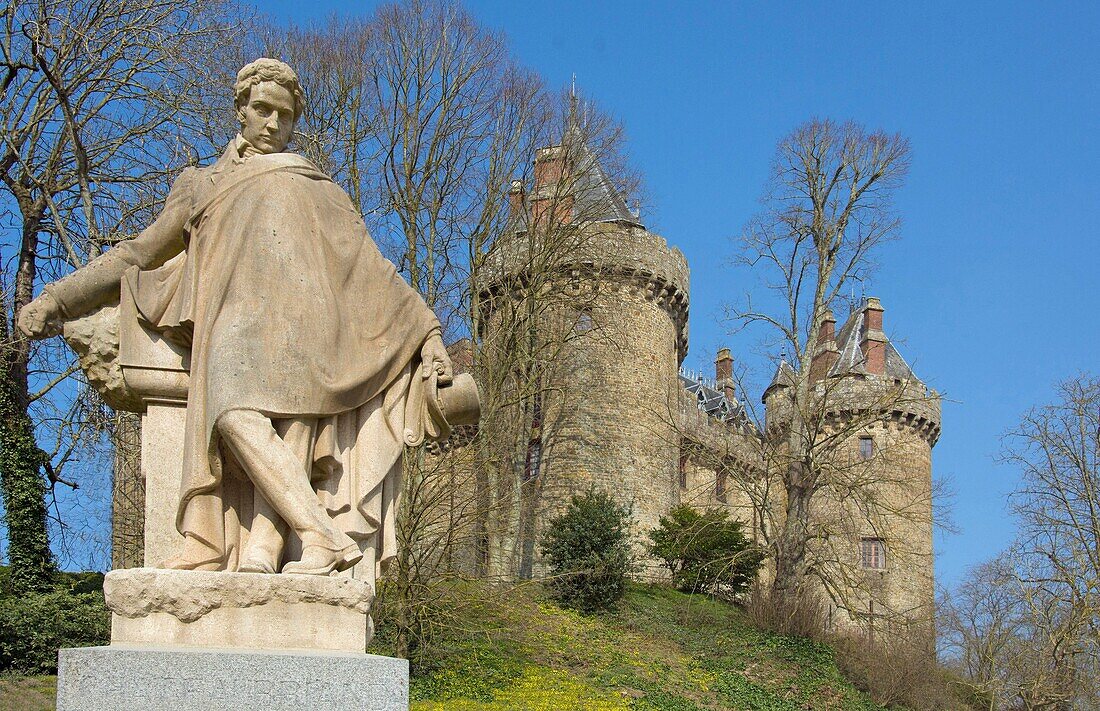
<point x="516" y="196"/>
<point x="826" y="354"/>
<point x="873" y="340"/>
<point x="549" y="167"/>
<point x="723" y="373"/>
<point x="551" y="193"/>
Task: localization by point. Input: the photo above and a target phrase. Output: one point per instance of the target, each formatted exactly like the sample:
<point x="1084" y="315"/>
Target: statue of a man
<point x="308" y="352"/>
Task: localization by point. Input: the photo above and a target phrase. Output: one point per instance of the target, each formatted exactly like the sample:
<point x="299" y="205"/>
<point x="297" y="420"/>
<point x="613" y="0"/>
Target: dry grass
<point x="27" y="693"/>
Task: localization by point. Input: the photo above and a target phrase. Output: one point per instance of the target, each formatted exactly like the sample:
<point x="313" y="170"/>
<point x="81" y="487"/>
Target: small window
<point x="584" y="322"/>
<point x="534" y="460"/>
<point x="720" y="486"/>
<point x="683" y="468"/>
<point x="873" y="553"/>
<point x="866" y="447"/>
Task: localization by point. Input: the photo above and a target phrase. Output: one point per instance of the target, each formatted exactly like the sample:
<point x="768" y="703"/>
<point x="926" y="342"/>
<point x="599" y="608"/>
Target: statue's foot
<point x="258" y="564"/>
<point x="260" y="557"/>
<point x="180" y="562"/>
<point x="196" y="555"/>
<point x="319" y="560"/>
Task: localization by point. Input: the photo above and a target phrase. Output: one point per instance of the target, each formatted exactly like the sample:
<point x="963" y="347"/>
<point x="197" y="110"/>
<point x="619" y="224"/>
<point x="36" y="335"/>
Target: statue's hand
<point x="435" y="358"/>
<point x="41" y="318"/>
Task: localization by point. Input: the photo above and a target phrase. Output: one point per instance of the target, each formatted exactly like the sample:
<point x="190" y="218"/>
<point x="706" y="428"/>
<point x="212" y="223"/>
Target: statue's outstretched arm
<point x="97" y="283"/>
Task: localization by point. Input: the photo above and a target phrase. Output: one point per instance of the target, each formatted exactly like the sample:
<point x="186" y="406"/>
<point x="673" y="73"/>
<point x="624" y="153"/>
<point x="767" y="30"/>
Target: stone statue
<point x="312" y="362"/>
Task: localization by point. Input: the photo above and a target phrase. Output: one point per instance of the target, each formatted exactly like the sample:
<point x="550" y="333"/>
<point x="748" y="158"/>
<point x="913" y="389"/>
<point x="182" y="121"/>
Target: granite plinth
<point x="152" y="679"/>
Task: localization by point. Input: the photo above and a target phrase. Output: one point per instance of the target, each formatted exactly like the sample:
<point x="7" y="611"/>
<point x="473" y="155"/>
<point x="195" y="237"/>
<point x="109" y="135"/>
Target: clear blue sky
<point x="991" y="292"/>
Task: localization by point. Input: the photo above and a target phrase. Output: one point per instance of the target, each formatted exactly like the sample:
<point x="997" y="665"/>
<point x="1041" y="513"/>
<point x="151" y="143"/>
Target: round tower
<point x="880" y="425"/>
<point x="614" y="300"/>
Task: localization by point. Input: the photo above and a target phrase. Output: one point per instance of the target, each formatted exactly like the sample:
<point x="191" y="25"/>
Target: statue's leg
<point x="267" y="536"/>
<point x="278" y="473"/>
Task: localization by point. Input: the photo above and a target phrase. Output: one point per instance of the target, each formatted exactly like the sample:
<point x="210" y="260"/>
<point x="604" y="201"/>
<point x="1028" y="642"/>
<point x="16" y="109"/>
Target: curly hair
<point x="265" y="69"/>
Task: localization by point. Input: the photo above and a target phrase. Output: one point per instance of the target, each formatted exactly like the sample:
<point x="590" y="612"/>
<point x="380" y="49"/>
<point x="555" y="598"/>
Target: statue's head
<point x="269" y="100"/>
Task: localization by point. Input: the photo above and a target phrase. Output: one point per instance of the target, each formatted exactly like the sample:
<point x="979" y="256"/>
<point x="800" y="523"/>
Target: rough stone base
<point x="219" y="610"/>
<point x="151" y="679"/>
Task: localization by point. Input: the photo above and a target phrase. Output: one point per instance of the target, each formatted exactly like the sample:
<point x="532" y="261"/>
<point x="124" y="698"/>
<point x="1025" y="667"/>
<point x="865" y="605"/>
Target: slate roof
<point x="596" y="196"/>
<point x="851" y="356"/>
<point x="712" y="401"/>
<point x="784" y="376"/>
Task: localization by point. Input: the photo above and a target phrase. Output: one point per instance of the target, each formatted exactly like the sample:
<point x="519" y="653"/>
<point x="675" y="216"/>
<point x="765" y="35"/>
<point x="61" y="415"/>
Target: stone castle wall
<point x="886" y="497"/>
<point x="621" y="421"/>
<point x="721" y="463"/>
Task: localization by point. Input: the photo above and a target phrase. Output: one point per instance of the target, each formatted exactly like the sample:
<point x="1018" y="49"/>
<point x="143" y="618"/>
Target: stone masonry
<point x="635" y="426"/>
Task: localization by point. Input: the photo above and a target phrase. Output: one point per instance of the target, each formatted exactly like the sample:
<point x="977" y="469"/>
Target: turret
<point x="621" y="294"/>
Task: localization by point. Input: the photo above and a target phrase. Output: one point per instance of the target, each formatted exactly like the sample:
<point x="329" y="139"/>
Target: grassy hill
<point x="511" y="649"/>
<point x="662" y="651"/>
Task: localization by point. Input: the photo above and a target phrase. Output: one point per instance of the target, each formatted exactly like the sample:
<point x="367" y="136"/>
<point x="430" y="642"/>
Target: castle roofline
<point x="711" y="400"/>
<point x="851" y="357"/>
<point x="784" y="378"/>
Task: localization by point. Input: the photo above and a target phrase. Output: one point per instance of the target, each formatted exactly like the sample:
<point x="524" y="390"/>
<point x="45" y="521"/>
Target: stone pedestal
<point x="162" y="427"/>
<point x="161" y="679"/>
<point x="189" y="608"/>
<point x="205" y="641"/>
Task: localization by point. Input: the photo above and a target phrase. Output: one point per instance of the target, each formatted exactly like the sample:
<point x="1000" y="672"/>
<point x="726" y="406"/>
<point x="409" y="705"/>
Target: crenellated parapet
<point x="614" y="254"/>
<point x="906" y="403"/>
<point x="865" y="398"/>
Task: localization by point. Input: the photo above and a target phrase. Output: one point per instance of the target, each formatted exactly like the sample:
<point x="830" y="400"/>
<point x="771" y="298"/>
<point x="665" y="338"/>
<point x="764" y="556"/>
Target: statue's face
<point x="267" y="120"/>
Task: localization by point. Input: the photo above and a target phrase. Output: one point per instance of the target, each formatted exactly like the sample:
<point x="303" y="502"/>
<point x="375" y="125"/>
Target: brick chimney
<point x="872" y="339"/>
<point x="827" y="353"/>
<point x="549" y="166"/>
<point x="723" y="372"/>
<point x="551" y="191"/>
<point x="516" y="196"/>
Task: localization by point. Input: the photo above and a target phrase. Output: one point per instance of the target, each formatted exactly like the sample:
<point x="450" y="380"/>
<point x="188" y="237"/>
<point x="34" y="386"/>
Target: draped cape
<point x="290" y="310"/>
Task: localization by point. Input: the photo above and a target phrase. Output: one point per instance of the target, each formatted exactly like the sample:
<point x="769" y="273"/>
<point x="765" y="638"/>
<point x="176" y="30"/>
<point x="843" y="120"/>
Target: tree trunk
<point x="790" y="551"/>
<point x="24" y="492"/>
<point x="21" y="461"/>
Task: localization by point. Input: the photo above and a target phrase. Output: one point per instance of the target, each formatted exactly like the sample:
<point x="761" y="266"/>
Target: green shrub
<point x="588" y="548"/>
<point x="34" y="626"/>
<point x="705" y="551"/>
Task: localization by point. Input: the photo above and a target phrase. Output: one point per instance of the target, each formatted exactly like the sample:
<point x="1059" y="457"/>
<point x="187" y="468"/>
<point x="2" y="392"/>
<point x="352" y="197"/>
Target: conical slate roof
<point x="597" y="198"/>
<point x="851" y="355"/>
<point x="784" y="378"/>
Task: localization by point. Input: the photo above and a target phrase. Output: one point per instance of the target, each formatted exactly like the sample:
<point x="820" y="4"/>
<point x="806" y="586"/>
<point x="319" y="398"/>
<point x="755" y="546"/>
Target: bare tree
<point x="827" y="208"/>
<point x="1017" y="643"/>
<point x="94" y="105"/>
<point x="1056" y="448"/>
<point x="1024" y="629"/>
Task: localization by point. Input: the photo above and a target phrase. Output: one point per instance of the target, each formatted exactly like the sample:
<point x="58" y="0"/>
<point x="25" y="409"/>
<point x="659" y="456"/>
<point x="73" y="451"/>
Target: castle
<point x="613" y="409"/>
